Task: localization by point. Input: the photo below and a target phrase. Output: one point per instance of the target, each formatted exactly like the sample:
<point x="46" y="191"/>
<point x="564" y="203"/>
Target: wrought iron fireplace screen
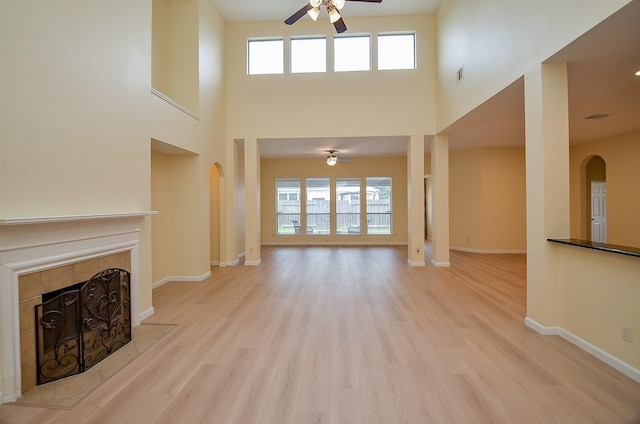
<point x="81" y="326"/>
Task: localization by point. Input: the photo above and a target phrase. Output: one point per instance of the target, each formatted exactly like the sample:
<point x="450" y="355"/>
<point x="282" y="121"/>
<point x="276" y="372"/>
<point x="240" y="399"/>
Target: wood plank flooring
<point x="353" y="335"/>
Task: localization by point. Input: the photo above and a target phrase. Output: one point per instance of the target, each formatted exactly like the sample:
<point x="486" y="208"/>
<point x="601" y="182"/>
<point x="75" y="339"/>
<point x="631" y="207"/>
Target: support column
<point x="252" y="201"/>
<point x="440" y="198"/>
<point x="228" y="250"/>
<point x="547" y="151"/>
<point x="415" y="197"/>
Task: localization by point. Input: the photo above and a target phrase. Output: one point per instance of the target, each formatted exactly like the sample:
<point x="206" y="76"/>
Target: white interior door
<point x="599" y="212"/>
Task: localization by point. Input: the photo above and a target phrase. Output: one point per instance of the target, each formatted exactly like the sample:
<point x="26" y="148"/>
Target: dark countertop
<point x="613" y="248"/>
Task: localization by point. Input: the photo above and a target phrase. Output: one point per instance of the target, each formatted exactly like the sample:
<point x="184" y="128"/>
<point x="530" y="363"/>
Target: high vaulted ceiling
<point x="601" y="66"/>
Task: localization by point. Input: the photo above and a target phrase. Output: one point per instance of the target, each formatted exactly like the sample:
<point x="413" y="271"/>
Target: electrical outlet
<point x="627" y="333"/>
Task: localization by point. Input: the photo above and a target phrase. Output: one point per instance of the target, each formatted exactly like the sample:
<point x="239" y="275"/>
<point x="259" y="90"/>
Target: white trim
<point x="173" y="103"/>
<point x="441" y="264"/>
<point x="214" y="263"/>
<point x="253" y="263"/>
<point x="230" y="263"/>
<point x="181" y="279"/>
<point x="146" y="314"/>
<point x="72" y="218"/>
<point x="410" y="262"/>
<point x="605" y="357"/>
<point x="488" y="252"/>
<point x="234" y="262"/>
<point x="333" y="243"/>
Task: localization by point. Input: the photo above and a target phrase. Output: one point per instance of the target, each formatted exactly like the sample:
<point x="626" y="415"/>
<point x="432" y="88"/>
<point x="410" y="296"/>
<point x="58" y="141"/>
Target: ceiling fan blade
<point x="299" y="14"/>
<point x="368" y="1"/>
<point x="340" y="26"/>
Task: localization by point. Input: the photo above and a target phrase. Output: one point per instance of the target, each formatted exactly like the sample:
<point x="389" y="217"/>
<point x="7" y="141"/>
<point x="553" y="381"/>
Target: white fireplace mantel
<point x="35" y="244"/>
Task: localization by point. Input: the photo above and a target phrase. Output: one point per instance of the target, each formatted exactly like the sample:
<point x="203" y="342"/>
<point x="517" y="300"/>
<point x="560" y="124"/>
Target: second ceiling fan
<point x="333" y="8"/>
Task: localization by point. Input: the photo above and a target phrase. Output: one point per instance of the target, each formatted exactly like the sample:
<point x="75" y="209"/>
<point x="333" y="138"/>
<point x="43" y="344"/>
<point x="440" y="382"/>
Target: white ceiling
<point x="347" y="147"/>
<point x="260" y="10"/>
<point x="601" y="66"/>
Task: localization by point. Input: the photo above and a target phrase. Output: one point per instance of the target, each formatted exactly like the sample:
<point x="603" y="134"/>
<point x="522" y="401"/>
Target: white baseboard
<point x="146" y="314"/>
<point x="214" y="263"/>
<point x="441" y="264"/>
<point x="252" y="263"/>
<point x="234" y="262"/>
<point x="182" y="279"/>
<point x="333" y="243"/>
<point x="488" y="252"/>
<point x="605" y="357"/>
<point x="410" y="262"/>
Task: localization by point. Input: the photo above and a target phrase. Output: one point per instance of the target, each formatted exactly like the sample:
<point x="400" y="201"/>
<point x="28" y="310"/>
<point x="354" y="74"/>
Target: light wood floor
<point x="353" y="335"/>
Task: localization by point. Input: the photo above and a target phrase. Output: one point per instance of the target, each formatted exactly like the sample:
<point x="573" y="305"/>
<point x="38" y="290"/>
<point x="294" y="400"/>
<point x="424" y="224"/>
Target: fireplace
<point x="39" y="255"/>
<point x="80" y="325"/>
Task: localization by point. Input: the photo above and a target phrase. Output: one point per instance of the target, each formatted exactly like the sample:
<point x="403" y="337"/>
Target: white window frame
<point x="338" y="66"/>
<point x="382" y="65"/>
<point x="277" y="66"/>
<point x="284" y="220"/>
<point x="301" y="69"/>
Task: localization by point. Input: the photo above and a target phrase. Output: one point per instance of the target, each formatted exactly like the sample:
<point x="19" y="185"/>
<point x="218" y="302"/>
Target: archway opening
<point x="595" y="206"/>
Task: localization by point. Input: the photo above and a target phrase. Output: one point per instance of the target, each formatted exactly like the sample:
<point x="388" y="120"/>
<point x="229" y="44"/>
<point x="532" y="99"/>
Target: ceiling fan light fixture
<point x="332" y="159"/>
<point x="315" y="3"/>
<point x="314" y="13"/>
<point x="339" y="4"/>
<point x="334" y="15"/>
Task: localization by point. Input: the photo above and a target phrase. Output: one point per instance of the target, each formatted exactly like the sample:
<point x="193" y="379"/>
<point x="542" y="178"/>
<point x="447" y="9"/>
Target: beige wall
<point x="487" y="200"/>
<point x="504" y="200"/>
<point x="396" y="168"/>
<point x="239" y="198"/>
<point x="161" y="223"/>
<point x="179" y="248"/>
<point x="331" y="104"/>
<point x="215" y="200"/>
<point x="599" y="293"/>
<point x="189" y="146"/>
<point x="497" y="42"/>
<point x="175" y="51"/>
<point x="74" y="127"/>
<point x="622" y="156"/>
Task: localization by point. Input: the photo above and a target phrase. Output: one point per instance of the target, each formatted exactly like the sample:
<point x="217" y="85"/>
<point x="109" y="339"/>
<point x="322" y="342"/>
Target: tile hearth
<point x="67" y="392"/>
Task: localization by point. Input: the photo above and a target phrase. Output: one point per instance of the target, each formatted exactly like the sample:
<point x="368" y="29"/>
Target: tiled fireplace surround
<point x="38" y="255"/>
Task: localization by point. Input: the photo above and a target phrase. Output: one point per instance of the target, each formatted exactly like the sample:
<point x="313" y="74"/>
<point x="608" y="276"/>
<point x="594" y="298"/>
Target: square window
<point x="265" y="57"/>
<point x="396" y="51"/>
<point x="352" y="53"/>
<point x="308" y="55"/>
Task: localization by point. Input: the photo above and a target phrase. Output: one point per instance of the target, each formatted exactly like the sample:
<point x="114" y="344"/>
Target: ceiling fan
<point x="333" y="7"/>
<point x="332" y="159"/>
